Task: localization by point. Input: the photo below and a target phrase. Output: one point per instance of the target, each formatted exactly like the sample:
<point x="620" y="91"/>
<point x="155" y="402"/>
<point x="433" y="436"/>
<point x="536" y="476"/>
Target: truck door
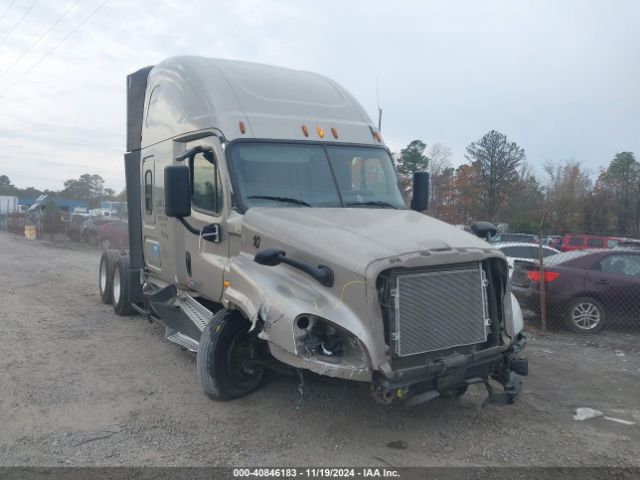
<point x="207" y="252"/>
<point x="151" y="245"/>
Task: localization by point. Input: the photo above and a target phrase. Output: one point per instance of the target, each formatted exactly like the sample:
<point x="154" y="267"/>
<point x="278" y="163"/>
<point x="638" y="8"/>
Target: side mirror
<point x="269" y="257"/>
<point x="420" y="199"/>
<point x="484" y="230"/>
<point x="177" y="191"/>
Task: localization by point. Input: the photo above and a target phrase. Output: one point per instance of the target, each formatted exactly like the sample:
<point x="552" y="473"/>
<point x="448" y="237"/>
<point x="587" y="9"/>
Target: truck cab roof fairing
<point x="187" y="94"/>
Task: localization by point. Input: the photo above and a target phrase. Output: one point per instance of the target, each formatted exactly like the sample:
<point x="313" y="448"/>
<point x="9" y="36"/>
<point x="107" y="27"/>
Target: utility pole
<point x="543" y="303"/>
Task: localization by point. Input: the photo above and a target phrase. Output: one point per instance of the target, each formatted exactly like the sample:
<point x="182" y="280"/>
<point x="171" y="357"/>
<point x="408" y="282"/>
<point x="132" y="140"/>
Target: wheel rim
<point x="238" y="353"/>
<point x="586" y="315"/>
<point x="103" y="276"/>
<point x="116" y="285"/>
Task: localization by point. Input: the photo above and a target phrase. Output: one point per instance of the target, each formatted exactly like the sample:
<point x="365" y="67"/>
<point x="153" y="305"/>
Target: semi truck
<point x="268" y="232"/>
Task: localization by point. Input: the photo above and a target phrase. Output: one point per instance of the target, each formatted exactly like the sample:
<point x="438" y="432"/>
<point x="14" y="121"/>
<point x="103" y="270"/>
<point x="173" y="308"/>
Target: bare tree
<point x="439" y="161"/>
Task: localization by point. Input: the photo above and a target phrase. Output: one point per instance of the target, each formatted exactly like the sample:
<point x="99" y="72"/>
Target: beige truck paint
<point x="199" y="102"/>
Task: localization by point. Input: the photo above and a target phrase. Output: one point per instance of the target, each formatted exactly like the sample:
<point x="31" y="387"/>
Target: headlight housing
<point x="320" y="339"/>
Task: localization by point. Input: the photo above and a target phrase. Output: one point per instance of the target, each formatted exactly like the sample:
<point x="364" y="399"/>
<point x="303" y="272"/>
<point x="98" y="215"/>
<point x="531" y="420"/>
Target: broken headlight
<point x="319" y="338"/>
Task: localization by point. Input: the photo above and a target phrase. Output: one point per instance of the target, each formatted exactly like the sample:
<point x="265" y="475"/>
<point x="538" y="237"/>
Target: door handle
<point x="602" y="282"/>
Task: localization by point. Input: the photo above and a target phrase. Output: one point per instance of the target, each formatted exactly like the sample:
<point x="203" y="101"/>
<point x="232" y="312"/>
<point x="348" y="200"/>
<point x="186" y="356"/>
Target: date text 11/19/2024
<point x="291" y="472"/>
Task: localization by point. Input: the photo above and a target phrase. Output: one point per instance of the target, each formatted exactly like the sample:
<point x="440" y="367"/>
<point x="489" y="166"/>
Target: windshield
<point x="313" y="175"/>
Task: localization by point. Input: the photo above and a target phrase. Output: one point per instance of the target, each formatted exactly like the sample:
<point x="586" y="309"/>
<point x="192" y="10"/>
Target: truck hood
<point x="353" y="237"/>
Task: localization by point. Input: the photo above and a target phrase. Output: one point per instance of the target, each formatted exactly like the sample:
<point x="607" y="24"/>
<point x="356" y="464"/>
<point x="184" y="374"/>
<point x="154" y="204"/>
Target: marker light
<point x="320" y="131"/>
<point x="243" y="129"/>
<point x="226" y="284"/>
<point x="377" y="136"/>
<point x="305" y="130"/>
<point x="334" y="132"/>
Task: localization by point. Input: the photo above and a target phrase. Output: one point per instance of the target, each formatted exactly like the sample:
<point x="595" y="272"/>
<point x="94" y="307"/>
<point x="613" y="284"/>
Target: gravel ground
<point x="82" y="386"/>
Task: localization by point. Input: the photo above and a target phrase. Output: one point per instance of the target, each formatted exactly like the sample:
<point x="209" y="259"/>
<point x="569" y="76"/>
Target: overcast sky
<point x="560" y="78"/>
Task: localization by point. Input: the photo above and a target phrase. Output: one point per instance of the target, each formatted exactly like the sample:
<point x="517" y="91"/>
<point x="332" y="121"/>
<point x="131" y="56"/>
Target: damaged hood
<point x="353" y="237"/>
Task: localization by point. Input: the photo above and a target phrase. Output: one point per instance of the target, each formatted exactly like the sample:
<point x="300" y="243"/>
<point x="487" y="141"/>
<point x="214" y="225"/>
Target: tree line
<point x="497" y="184"/>
<point x="88" y="187"/>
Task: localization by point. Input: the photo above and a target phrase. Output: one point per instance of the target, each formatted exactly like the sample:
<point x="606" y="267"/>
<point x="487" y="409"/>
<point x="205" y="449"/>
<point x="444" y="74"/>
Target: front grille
<point x="439" y="308"/>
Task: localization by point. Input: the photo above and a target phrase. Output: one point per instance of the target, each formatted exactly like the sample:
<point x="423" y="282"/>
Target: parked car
<point x="528" y="253"/>
<point x="115" y="235"/>
<point x="627" y="243"/>
<point x="586" y="289"/>
<point x="574" y="241"/>
<point x="553" y="241"/>
<point x="515" y="237"/>
<point x="90" y="229"/>
<point x="75" y="226"/>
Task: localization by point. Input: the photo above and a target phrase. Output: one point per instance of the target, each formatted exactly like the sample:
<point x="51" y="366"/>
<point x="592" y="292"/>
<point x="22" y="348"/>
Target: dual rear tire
<point x="105" y="274"/>
<point x="227" y="364"/>
<point x="113" y="281"/>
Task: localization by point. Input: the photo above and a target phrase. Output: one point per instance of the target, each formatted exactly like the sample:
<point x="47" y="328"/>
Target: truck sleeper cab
<point x="267" y="230"/>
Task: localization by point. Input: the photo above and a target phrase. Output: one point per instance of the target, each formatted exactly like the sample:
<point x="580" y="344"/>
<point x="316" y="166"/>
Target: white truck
<point x="267" y="231"/>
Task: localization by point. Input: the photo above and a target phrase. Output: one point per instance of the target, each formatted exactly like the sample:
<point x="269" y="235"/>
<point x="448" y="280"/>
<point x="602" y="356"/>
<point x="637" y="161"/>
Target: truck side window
<point x="148" y="192"/>
<point x="207" y="187"/>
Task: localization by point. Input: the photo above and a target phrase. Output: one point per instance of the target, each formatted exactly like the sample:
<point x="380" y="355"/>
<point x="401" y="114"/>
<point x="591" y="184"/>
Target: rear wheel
<point x="585" y="315"/>
<point x="224" y="363"/>
<point x="105" y="274"/>
<point x="120" y="286"/>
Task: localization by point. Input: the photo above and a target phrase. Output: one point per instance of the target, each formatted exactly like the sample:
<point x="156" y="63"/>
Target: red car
<point x="115" y="235"/>
<point x="586" y="289"/>
<point x="574" y="241"/>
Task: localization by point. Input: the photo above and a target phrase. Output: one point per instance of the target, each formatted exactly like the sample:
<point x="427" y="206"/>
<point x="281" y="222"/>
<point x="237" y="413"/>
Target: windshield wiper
<point x="375" y="203"/>
<point x="281" y="199"/>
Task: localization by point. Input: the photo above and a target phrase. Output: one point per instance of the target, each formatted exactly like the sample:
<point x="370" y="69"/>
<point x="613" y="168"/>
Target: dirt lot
<point x="81" y="386"/>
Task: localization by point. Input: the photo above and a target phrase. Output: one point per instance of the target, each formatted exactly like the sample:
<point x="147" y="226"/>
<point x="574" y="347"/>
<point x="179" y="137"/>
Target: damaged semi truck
<point x="268" y="231"/>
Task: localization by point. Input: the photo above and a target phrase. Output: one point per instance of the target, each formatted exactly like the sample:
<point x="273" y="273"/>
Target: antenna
<point x="379" y="107"/>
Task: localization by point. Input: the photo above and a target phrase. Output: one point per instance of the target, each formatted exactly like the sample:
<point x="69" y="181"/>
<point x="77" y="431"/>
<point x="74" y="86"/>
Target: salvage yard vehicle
<point x="267" y="231"/>
<point x="518" y="253"/>
<point x="588" y="289"/>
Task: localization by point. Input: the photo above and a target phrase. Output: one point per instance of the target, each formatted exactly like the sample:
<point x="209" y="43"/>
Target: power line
<point x="39" y="38"/>
<point x="7" y="10"/>
<point x="17" y="24"/>
<point x="30" y="69"/>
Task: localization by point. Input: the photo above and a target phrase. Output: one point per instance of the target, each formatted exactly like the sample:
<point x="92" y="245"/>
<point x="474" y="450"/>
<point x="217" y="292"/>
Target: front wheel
<point x="226" y="357"/>
<point x="585" y="315"/>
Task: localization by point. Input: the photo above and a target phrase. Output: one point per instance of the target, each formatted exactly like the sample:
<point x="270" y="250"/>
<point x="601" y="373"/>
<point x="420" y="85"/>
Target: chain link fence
<point x="584" y="292"/>
<point x="109" y="232"/>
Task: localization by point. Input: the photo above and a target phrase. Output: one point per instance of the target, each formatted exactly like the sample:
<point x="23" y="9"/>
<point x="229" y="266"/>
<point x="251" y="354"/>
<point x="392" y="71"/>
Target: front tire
<point x="585" y="315"/>
<point x="223" y="362"/>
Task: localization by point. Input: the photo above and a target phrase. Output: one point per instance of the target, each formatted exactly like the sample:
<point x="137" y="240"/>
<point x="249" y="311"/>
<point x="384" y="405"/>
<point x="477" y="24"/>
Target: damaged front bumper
<point x="453" y="374"/>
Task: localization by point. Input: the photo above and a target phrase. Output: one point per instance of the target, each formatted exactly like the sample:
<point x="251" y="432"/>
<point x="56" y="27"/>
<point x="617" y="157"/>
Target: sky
<point x="560" y="78"/>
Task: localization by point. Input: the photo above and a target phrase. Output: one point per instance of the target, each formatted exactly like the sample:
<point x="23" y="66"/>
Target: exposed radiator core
<point x="440" y="308"/>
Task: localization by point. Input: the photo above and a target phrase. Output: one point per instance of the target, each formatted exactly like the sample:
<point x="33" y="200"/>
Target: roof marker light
<point x="243" y="129"/>
<point x="320" y="131"/>
<point x="334" y="132"/>
<point x="377" y="136"/>
<point x="305" y="130"/>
